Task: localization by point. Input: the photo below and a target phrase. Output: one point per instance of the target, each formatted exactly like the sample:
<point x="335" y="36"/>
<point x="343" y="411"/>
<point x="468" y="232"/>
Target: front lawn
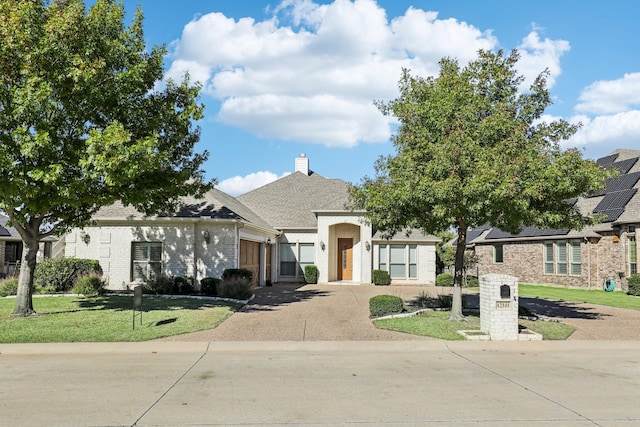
<point x="436" y="324"/>
<point x="596" y="296"/>
<point x="109" y="318"/>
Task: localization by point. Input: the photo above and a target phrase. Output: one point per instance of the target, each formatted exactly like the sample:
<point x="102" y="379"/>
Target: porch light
<point x="85" y="237"/>
<point x="322" y="245"/>
<point x="367" y="245"/>
<point x="269" y="241"/>
<point x="207" y="236"/>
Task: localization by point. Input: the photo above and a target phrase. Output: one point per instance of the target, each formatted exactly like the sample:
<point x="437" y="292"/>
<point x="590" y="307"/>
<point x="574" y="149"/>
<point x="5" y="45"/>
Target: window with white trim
<point x="294" y="257"/>
<point x="401" y="261"/>
<point x="563" y="257"/>
<point x="633" y="255"/>
<point x="146" y="260"/>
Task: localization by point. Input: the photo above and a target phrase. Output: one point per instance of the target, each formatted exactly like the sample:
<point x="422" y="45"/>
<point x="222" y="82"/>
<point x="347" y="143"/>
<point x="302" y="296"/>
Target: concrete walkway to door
<point x="309" y="313"/>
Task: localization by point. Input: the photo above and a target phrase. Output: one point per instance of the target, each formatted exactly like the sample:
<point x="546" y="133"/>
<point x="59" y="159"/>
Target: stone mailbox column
<point x="499" y="306"/>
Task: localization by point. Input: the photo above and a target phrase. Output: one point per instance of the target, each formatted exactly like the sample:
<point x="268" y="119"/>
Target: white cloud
<point x="537" y="54"/>
<point x="613" y="96"/>
<point x="241" y="184"/>
<point x="608" y="131"/>
<point x="311" y="72"/>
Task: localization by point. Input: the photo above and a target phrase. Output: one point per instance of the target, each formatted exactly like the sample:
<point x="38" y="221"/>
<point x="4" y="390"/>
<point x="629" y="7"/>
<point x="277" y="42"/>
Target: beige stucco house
<point x="577" y="258"/>
<point x="275" y="230"/>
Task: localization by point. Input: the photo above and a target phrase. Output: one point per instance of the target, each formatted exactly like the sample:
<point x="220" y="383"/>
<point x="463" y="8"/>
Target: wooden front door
<point x="345" y="259"/>
<point x="250" y="258"/>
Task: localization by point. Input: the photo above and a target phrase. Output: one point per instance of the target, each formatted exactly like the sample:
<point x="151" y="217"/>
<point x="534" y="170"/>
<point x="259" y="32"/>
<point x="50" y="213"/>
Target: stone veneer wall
<point x="601" y="259"/>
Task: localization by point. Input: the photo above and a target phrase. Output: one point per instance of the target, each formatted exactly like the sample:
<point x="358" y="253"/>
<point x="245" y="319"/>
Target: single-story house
<point x="11" y="248"/>
<point x="275" y="230"/>
<point x="577" y="258"/>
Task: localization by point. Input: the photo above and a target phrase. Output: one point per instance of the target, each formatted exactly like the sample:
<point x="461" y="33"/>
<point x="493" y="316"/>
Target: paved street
<point x="400" y="383"/>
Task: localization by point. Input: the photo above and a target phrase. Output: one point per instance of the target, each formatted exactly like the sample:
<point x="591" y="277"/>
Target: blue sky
<point x="297" y="76"/>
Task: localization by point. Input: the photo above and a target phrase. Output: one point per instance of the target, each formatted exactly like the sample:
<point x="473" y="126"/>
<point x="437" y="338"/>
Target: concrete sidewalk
<point x="400" y="383"/>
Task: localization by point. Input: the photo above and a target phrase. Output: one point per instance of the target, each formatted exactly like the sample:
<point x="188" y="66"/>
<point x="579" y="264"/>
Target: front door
<point x="345" y="259"/>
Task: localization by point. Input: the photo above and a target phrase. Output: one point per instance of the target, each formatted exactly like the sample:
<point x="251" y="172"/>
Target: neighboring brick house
<point x="585" y="258"/>
<point x="275" y="230"/>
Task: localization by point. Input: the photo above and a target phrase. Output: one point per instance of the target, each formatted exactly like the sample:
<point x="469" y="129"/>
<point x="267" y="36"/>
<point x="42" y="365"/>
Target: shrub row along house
<point x="274" y="231"/>
<point x="585" y="258"/>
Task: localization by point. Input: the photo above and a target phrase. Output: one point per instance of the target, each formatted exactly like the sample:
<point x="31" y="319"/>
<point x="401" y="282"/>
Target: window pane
<point x="413" y="254"/>
<point x="633" y="256"/>
<point x="307" y="253"/>
<point x="288" y="268"/>
<point x="287" y="252"/>
<point x="413" y="271"/>
<point x="497" y="253"/>
<point x="397" y="270"/>
<point x="576" y="252"/>
<point x="396" y="254"/>
<point x="155" y="250"/>
<point x="548" y="259"/>
<point x="561" y="254"/>
<point x="140" y="252"/>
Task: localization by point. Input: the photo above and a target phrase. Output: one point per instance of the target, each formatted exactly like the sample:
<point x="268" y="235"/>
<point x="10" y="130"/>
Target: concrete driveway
<point x="341" y="313"/>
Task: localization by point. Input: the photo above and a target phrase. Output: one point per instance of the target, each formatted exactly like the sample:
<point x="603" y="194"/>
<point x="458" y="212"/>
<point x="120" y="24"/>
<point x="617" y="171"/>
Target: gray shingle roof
<point x="619" y="202"/>
<point x="291" y="201"/>
<point x="214" y="204"/>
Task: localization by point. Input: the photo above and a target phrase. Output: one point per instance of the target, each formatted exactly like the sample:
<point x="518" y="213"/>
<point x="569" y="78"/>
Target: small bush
<point x="381" y="277"/>
<point x="472" y="282"/>
<point x="183" y="285"/>
<point x="311" y="274"/>
<point x="237" y="273"/>
<point x="61" y="274"/>
<point x="634" y="285"/>
<point x="161" y="285"/>
<point x="209" y="286"/>
<point x="90" y="285"/>
<point x="382" y="305"/>
<point x="444" y="279"/>
<point x="445" y="301"/>
<point x="235" y="288"/>
<point x="9" y="287"/>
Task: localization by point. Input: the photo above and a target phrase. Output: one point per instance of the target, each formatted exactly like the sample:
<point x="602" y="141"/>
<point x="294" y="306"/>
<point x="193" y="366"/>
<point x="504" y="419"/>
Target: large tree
<point x="471" y="149"/>
<point x="85" y="120"/>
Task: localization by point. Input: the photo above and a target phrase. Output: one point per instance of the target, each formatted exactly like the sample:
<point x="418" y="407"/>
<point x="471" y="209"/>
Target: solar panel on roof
<point x="606" y="161"/>
<point x="616" y="200"/>
<point x="611" y="214"/>
<point x="496" y="233"/>
<point x="623" y="182"/>
<point x="4" y="232"/>
<point x="624" y="166"/>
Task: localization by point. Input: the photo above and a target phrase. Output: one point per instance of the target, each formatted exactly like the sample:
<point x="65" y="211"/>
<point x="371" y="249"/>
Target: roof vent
<point x="302" y="164"/>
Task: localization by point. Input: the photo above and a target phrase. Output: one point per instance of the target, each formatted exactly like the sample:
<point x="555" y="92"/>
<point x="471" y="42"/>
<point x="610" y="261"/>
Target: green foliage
<point x="634" y="285"/>
<point x="383" y="305"/>
<point x="85" y="122"/>
<point x="471" y="149"/>
<point x="161" y="285"/>
<point x="61" y="274"/>
<point x="445" y="253"/>
<point x="237" y="274"/>
<point x="9" y="287"/>
<point x="235" y="288"/>
<point x="444" y="279"/>
<point x="311" y="274"/>
<point x="183" y="285"/>
<point x="381" y="277"/>
<point x="445" y="301"/>
<point x="473" y="282"/>
<point x="89" y="285"/>
<point x="209" y="286"/>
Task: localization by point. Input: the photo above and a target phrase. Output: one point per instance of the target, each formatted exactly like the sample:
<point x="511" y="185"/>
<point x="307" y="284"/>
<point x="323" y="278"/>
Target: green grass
<point x="436" y="324"/>
<point x="612" y="299"/>
<point x="109" y="319"/>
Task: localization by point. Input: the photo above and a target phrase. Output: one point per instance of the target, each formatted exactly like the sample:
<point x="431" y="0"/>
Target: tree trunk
<point x="24" y="297"/>
<point x="456" y="303"/>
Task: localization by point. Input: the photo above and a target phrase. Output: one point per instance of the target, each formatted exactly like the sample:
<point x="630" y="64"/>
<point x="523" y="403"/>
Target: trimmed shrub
<point x="183" y="285"/>
<point x="381" y="277"/>
<point x="634" y="285"/>
<point x="237" y="273"/>
<point x="382" y="305"/>
<point x="89" y="286"/>
<point x="311" y="274"/>
<point x="444" y="279"/>
<point x="235" y="288"/>
<point x="61" y="274"/>
<point x="209" y="286"/>
<point x="161" y="285"/>
<point x="9" y="287"/>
